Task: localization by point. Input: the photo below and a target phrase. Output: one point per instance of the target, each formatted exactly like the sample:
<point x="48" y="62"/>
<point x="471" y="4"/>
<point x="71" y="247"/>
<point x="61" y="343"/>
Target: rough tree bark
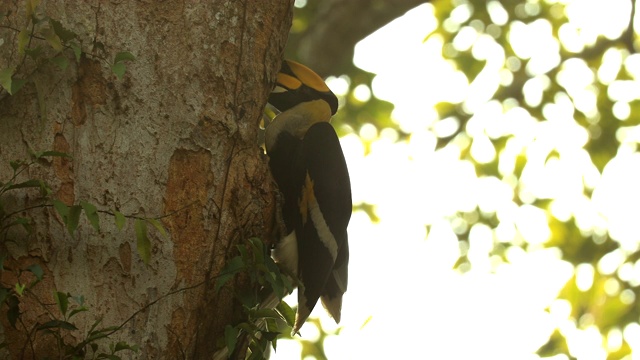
<point x="177" y="136"/>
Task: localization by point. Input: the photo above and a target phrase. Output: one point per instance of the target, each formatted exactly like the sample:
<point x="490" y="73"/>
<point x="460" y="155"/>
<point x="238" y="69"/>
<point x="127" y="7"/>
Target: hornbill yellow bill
<point x="308" y="165"/>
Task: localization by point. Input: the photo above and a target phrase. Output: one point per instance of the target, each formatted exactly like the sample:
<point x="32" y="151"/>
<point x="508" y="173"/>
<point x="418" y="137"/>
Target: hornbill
<point x="308" y="165"/>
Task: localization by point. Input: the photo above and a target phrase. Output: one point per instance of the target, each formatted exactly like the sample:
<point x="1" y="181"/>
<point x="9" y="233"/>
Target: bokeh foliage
<point x="597" y="307"/>
<point x="608" y="304"/>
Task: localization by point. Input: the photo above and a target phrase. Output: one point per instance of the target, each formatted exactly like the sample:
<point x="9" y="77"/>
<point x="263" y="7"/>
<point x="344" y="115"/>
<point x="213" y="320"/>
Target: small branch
<point x="26" y="209"/>
<point x="220" y="219"/>
<point x="155" y="217"/>
<point x="144" y="308"/>
<point x="29" y="339"/>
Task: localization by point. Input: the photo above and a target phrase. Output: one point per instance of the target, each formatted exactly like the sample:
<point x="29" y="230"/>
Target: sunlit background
<point x="496" y="213"/>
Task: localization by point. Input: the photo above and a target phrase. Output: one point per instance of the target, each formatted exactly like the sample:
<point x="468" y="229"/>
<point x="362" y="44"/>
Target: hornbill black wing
<point x="325" y="206"/>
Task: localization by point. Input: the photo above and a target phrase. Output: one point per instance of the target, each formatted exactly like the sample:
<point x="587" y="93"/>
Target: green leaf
<point x="62" y="300"/>
<point x="77" y="310"/>
<point x="120" y="219"/>
<point x="119" y="69"/>
<point x="30" y="7"/>
<point x="257" y="349"/>
<point x="158" y="225"/>
<point x="26" y="184"/>
<point x="230" y="337"/>
<point x="74" y="218"/>
<point x="123" y="56"/>
<point x="64" y="34"/>
<point x="95" y="324"/>
<point x="54" y="153"/>
<point x="287" y="312"/>
<point x="267" y="313"/>
<point x="16" y="85"/>
<point x="16" y="164"/>
<point x="34" y="53"/>
<point x="366" y="322"/>
<point x="124" y="346"/>
<point x="97" y="336"/>
<point x="77" y="50"/>
<point x="36" y="270"/>
<point x="92" y="214"/>
<point x="275" y="278"/>
<point x="8" y="82"/>
<point x="45" y="190"/>
<point x="57" y="324"/>
<point x="52" y="39"/>
<point x="20" y="288"/>
<point x="270" y="335"/>
<point x="233" y="266"/>
<point x="244" y="254"/>
<point x="271" y="325"/>
<point x="14" y="310"/>
<point x="5" y="78"/>
<point x="258" y="250"/>
<point x="107" y="329"/>
<point x="61" y="208"/>
<point x="23" y="40"/>
<point x="248" y="299"/>
<point x="61" y="61"/>
<point x="249" y="328"/>
<point x="142" y="241"/>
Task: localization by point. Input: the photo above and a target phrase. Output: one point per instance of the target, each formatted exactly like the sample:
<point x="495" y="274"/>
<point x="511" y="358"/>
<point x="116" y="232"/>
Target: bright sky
<point x="405" y="300"/>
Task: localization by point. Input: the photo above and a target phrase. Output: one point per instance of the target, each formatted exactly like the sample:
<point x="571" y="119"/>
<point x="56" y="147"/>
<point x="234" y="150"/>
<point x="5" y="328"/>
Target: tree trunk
<point x="175" y="139"/>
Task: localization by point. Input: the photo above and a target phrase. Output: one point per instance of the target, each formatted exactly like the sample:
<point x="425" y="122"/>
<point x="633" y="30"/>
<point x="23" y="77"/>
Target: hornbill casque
<point x="308" y="165"/>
